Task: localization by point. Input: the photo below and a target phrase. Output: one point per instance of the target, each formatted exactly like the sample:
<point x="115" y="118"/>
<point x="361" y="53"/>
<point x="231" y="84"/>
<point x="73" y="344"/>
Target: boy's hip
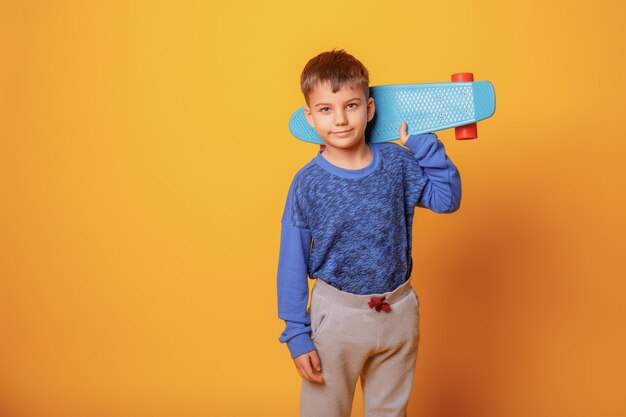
<point x="367" y="323"/>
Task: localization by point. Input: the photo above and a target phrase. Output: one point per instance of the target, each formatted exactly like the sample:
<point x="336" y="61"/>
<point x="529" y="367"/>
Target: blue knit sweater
<point x="353" y="227"/>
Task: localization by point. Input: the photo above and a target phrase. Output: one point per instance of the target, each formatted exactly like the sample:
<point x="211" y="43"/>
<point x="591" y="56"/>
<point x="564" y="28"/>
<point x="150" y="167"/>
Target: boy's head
<point x="338" y="68"/>
<point x="336" y="90"/>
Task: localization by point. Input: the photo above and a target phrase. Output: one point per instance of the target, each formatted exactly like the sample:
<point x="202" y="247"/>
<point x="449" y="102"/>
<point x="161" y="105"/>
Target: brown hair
<point x="339" y="68"/>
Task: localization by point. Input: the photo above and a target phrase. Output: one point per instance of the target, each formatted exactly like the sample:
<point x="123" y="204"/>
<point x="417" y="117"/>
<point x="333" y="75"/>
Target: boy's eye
<point x="351" y="106"/>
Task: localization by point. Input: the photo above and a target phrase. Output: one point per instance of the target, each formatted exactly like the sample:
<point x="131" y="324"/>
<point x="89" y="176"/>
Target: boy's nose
<point x="341" y="118"/>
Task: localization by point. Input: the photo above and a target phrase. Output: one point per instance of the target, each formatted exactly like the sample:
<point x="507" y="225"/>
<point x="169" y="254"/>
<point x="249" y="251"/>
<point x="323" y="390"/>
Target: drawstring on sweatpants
<point x="378" y="303"/>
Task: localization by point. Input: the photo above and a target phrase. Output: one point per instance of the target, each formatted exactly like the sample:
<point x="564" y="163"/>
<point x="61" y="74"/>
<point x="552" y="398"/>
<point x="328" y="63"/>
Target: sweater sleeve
<point x="292" y="283"/>
<point x="442" y="189"/>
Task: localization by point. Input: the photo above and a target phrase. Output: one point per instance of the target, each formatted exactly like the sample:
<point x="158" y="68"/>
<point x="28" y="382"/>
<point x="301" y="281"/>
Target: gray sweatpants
<point x="354" y="339"/>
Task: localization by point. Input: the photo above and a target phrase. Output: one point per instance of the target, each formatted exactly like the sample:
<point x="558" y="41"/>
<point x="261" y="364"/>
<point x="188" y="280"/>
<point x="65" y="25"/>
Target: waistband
<point x="360" y="301"/>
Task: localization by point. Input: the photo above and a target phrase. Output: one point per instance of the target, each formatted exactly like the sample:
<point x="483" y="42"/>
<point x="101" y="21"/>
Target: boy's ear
<point x="371" y="108"/>
<point x="309" y="116"/>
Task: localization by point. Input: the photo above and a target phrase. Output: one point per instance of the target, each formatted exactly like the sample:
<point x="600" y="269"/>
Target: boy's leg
<point x="340" y="368"/>
<point x="387" y="377"/>
<point x="344" y="337"/>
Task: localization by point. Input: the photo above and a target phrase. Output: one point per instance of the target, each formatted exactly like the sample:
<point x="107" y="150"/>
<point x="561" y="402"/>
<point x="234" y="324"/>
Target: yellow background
<point x="144" y="164"/>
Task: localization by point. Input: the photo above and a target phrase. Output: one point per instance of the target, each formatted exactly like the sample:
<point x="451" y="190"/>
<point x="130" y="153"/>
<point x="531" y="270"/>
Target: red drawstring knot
<point x="379" y="303"/>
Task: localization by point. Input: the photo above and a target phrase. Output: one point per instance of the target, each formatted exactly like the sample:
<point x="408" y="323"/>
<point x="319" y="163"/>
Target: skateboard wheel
<point x="468" y="131"/>
<point x="463" y="77"/>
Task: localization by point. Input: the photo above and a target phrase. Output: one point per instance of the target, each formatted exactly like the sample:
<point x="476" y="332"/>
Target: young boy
<point x="348" y="224"/>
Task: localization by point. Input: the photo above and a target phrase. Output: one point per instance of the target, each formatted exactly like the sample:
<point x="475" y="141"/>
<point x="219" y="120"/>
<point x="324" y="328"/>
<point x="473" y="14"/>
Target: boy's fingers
<point x="403" y="132"/>
<point x="315" y="374"/>
<point x="315" y="361"/>
<point x="309" y="373"/>
<point x="307" y="365"/>
<point x="307" y="370"/>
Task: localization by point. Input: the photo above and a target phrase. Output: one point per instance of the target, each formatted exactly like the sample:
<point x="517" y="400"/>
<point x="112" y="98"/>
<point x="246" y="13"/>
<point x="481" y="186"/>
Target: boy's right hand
<point x="309" y="366"/>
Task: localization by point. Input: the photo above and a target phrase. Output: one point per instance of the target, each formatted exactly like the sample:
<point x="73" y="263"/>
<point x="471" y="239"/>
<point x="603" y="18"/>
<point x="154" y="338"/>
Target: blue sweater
<point x="352" y="228"/>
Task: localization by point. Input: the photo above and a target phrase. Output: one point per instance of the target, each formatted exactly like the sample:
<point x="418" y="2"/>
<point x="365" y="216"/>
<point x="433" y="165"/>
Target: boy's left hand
<point x="403" y="133"/>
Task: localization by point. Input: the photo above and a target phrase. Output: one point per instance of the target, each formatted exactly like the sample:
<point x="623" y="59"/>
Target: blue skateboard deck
<point x="426" y="108"/>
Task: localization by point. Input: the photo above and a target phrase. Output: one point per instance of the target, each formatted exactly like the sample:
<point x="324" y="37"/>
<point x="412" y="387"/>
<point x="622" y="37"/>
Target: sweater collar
<point x="350" y="173"/>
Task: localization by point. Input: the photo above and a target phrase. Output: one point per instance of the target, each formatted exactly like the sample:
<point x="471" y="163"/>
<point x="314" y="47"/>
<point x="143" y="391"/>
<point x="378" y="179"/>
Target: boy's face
<point x="339" y="118"/>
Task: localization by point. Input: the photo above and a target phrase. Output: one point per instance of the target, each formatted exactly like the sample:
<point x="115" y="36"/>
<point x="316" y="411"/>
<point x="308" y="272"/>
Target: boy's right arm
<point x="292" y="281"/>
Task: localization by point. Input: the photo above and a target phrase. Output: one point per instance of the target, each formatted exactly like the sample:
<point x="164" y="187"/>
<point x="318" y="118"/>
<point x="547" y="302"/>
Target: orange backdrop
<point x="144" y="165"/>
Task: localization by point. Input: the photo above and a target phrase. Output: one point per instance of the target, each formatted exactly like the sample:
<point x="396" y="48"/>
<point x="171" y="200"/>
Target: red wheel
<point x="468" y="131"/>
<point x="463" y="77"/>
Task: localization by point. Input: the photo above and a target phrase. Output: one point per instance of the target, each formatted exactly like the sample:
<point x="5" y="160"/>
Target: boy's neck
<point x="356" y="157"/>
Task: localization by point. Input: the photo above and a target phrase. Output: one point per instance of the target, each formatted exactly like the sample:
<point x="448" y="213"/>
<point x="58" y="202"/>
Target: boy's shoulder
<point x="385" y="145"/>
<point x="305" y="176"/>
<point x="307" y="170"/>
<point x="392" y="148"/>
<point x="394" y="154"/>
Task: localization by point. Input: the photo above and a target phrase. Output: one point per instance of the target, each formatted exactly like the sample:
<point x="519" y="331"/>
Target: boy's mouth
<point x="342" y="133"/>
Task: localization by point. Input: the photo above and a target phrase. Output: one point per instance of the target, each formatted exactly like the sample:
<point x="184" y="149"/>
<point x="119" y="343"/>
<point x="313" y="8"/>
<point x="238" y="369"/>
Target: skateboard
<point x="426" y="107"/>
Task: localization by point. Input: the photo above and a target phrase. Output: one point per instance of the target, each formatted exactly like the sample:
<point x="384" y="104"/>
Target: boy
<point x="348" y="224"/>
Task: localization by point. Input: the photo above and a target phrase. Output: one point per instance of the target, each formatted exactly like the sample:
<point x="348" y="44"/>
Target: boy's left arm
<point x="442" y="190"/>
